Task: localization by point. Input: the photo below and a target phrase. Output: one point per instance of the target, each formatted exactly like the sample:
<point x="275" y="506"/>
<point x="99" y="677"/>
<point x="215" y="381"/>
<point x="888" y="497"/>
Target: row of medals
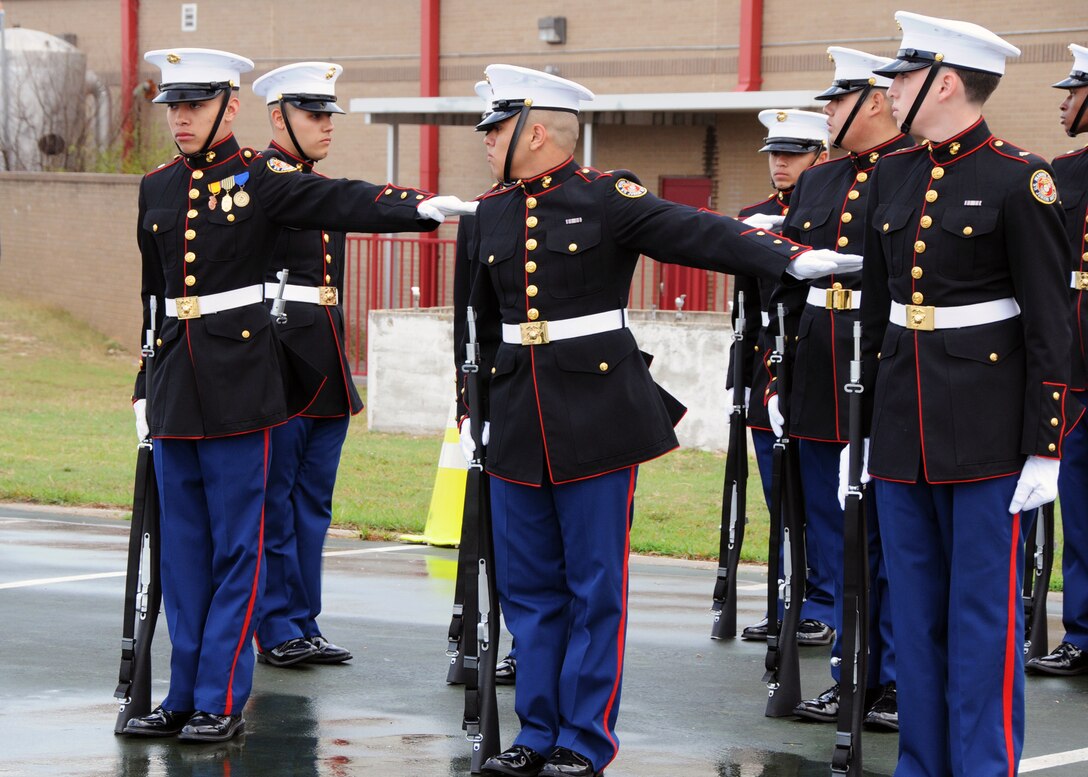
<point x="228" y="201"/>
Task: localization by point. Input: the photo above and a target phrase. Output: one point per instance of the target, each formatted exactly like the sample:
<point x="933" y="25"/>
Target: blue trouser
<point x="301" y="477"/>
<point x="211" y="494"/>
<point x="561" y="567"/>
<point x="955" y="561"/>
<point x="819" y="603"/>
<point x="1073" y="493"/>
<point x="820" y="481"/>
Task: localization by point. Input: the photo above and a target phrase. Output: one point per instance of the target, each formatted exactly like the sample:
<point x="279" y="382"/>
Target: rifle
<point x="724" y="607"/>
<point x="854" y="664"/>
<point x="481" y="603"/>
<point x="1038" y="563"/>
<point x="783" y="675"/>
<point x="143" y="590"/>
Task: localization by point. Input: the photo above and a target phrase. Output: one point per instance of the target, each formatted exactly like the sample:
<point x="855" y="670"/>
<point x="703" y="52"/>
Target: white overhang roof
<point x="605" y="109"/>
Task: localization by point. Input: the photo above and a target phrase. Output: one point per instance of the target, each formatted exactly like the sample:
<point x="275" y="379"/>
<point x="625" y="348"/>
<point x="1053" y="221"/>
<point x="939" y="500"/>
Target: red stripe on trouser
<point x="242" y="641"/>
<point x="622" y="632"/>
<point x="1012" y="646"/>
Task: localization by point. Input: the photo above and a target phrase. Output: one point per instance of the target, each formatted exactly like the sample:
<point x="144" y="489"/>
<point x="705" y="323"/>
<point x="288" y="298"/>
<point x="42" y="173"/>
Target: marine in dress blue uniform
<point x="547" y="263"/>
<point x="306" y="450"/>
<point x="828" y="210"/>
<point x="966" y="370"/>
<point x="795" y="141"/>
<point x="208" y="225"/>
<point x="1070" y="657"/>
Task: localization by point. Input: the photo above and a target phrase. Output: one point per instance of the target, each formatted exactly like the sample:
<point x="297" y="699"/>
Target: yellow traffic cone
<point x="443" y="526"/>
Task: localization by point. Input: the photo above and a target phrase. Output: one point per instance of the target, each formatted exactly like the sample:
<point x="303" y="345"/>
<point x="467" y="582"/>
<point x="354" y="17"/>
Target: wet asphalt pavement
<point x="691" y="706"/>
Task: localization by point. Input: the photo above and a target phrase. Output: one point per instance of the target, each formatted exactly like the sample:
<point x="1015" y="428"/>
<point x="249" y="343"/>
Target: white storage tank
<point x="53" y="111"/>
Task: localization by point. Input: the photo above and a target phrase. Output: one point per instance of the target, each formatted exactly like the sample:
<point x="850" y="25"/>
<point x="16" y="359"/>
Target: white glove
<point x="778" y="421"/>
<point x="443" y="205"/>
<point x="139" y="407"/>
<point x="468" y="445"/>
<point x="1038" y="484"/>
<point x="823" y="261"/>
<point x="747" y="397"/>
<point x="764" y="221"/>
<point x="844" y="470"/>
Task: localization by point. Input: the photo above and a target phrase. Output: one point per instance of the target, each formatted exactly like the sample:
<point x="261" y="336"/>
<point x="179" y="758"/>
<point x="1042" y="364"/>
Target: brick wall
<point x="69" y="240"/>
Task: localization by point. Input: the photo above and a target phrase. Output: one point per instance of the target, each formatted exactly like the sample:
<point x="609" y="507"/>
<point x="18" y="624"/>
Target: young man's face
<point x="313" y="131"/>
<point x="1070" y="106"/>
<point x="903" y="91"/>
<point x="497" y="142"/>
<point x="838" y="110"/>
<point x="191" y="123"/>
<point x="787" y="167"/>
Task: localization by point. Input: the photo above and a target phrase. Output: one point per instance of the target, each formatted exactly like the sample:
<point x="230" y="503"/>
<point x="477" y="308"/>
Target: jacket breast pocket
<point x="496" y="253"/>
<point x="160" y="223"/>
<point x="229" y="234"/>
<point x="892" y="223"/>
<point x="811" y="221"/>
<point x="969" y="254"/>
<point x="574" y="266"/>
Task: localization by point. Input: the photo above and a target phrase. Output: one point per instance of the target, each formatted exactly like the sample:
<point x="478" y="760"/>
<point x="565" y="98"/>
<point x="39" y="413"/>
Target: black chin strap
<point x="291" y="132"/>
<point x="853" y="113"/>
<point x="932" y="74"/>
<point x="514" y="143"/>
<point x="215" y="127"/>
<point x="1075" y="124"/>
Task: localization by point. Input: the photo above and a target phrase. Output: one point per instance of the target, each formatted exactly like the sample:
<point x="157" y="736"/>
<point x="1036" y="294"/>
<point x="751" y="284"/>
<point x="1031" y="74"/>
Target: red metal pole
<point x="749" y="60"/>
<point x="429" y="44"/>
<point x="130" y="57"/>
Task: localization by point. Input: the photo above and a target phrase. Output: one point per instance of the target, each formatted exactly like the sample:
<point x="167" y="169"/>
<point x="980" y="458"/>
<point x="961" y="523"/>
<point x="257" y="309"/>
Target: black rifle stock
<point x="734" y="507"/>
<point x="143" y="591"/>
<point x="1038" y="564"/>
<point x="783" y="675"/>
<point x="481" y="603"/>
<point x="846" y="757"/>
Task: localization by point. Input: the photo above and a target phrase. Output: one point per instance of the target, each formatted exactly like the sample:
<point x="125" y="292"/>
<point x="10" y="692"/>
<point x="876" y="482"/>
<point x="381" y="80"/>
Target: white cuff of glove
<point x="778" y="421"/>
<point x="1038" y="484"/>
<point x="844" y="470"/>
<point x="819" y="262"/>
<point x="448" y="205"/>
<point x="764" y="221"/>
<point x="468" y="445"/>
<point x="428" y="211"/>
<point x="747" y="397"/>
<point x="139" y="407"/>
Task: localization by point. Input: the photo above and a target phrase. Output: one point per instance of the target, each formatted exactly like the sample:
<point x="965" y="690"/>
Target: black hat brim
<point x="793" y="145"/>
<point x="496" y="117"/>
<point x="316" y="106"/>
<point x="186" y="93"/>
<point x="1072" y="82"/>
<point x="893" y="69"/>
<point x="835" y="90"/>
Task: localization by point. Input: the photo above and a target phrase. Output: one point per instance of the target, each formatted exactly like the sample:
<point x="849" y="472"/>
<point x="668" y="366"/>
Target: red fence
<point x="385" y="271"/>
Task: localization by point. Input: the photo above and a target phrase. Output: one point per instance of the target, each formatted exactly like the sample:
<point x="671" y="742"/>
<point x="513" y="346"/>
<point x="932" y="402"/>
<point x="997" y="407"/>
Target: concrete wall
<point x="411" y="385"/>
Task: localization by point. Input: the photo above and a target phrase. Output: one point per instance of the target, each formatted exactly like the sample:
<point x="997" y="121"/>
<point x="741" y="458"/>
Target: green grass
<point x="69" y="439"/>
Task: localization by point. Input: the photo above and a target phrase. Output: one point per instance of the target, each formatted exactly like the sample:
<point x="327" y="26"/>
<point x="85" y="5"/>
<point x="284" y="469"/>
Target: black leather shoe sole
<point x="1058" y="671"/>
<point x="818" y="715"/>
<point x="329" y="657"/>
<point x="879" y="723"/>
<point x="137" y="727"/>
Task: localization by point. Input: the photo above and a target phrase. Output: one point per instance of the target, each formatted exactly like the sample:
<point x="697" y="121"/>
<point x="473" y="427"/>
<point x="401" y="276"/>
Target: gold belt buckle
<point x="534" y="333"/>
<point x="1082" y="281"/>
<point x="188" y="307"/>
<point x="839" y="299"/>
<point x="327" y="295"/>
<point x="920" y="317"/>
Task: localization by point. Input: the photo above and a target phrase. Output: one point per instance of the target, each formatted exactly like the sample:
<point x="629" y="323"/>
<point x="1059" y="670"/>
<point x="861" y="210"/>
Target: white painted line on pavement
<point x="361" y="551"/>
<point x="51" y="580"/>
<point x="1040" y="762"/>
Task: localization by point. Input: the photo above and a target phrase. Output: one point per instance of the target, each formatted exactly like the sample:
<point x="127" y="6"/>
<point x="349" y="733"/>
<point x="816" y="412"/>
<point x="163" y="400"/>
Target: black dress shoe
<point x="288" y="653"/>
<point x="567" y="763"/>
<point x="160" y="723"/>
<point x="756" y="632"/>
<point x="824" y="708"/>
<point x="1065" y="659"/>
<point x="506" y="671"/>
<point x="813" y="632"/>
<point x="518" y="761"/>
<point x="327" y="653"/>
<point x="209" y="727"/>
<point x="884" y="714"/>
